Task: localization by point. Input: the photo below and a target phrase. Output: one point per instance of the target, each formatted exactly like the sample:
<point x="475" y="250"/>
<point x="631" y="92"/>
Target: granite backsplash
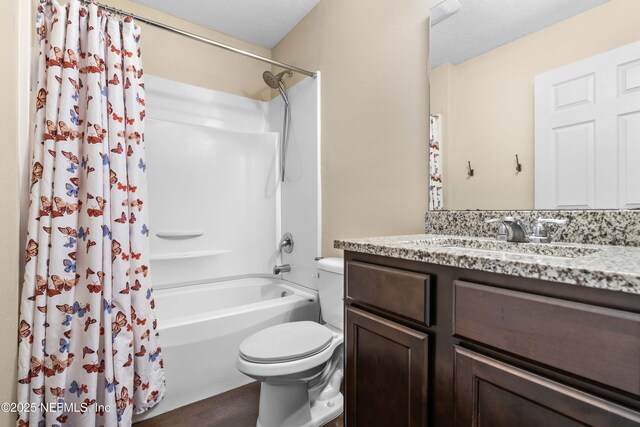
<point x="598" y="227"/>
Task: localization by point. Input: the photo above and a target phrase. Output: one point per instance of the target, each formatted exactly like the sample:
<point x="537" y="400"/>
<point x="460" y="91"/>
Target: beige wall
<point x="9" y="224"/>
<point x="373" y="58"/>
<point x="490" y="104"/>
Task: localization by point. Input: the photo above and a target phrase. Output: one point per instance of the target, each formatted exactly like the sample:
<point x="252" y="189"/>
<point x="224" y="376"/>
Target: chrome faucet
<point x="284" y="268"/>
<point x="516" y="229"/>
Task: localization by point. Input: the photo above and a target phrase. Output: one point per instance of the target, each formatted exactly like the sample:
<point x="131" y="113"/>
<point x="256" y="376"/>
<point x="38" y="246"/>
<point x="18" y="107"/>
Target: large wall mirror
<point x="555" y="83"/>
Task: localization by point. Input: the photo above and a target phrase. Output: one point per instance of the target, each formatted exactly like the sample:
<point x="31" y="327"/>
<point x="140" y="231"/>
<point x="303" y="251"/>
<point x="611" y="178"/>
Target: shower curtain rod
<point x="200" y="38"/>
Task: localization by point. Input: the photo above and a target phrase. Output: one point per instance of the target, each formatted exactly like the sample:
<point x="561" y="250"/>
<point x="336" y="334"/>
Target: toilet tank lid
<point x="333" y="265"/>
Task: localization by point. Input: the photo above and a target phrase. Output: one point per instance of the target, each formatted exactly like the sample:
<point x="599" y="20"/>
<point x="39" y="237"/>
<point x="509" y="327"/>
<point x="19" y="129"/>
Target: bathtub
<point x="201" y="327"/>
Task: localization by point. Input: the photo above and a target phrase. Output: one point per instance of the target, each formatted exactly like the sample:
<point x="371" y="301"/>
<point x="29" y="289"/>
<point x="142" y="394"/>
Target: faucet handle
<point x="503" y="220"/>
<point x="286" y="243"/>
<point x="552" y="221"/>
<point x="493" y="220"/>
<point x="540" y="232"/>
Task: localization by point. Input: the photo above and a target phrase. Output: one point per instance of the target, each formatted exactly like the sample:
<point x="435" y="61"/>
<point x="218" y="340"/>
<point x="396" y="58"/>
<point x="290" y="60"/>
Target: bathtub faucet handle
<point x="285" y="268"/>
<point x="286" y="243"/>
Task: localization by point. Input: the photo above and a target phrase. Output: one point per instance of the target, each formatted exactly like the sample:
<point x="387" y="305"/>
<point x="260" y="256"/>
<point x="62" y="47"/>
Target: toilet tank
<point x="331" y="289"/>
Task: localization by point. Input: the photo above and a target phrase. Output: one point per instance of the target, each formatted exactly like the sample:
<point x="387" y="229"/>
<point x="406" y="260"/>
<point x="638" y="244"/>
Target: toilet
<point x="300" y="364"/>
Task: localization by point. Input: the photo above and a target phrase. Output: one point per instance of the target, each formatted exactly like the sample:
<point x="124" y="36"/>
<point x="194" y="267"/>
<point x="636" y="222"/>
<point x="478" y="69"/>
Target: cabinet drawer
<point x="596" y="343"/>
<point x="399" y="292"/>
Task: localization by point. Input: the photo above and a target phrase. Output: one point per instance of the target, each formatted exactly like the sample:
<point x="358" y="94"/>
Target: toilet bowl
<point x="300" y="364"/>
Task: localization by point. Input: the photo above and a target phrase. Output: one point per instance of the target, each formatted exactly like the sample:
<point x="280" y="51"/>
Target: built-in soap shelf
<point x="189" y="255"/>
<point x="179" y="234"/>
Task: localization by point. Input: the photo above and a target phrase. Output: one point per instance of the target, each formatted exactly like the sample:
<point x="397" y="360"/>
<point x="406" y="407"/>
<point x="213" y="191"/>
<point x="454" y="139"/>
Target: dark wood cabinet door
<point x="386" y="382"/>
<point x="489" y="392"/>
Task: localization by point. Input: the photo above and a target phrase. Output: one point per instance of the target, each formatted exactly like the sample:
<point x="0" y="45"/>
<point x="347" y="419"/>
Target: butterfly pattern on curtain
<point x="436" y="197"/>
<point x="87" y="324"/>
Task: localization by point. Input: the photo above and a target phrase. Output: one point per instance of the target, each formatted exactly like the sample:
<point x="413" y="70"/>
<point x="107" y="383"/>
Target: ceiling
<point x="261" y="22"/>
<point x="482" y="25"/>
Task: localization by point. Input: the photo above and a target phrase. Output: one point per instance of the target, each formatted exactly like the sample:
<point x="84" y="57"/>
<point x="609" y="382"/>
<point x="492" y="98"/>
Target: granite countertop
<point x="615" y="268"/>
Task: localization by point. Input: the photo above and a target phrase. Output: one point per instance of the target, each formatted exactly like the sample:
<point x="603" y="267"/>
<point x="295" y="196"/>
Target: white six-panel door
<point x="587" y="129"/>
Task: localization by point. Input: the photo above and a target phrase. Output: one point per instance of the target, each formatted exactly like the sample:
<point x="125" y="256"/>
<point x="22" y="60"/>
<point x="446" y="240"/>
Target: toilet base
<point x="324" y="411"/>
<point x="289" y="406"/>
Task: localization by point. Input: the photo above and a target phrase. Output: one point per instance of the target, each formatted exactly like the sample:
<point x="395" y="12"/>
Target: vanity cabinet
<point x="387" y="365"/>
<point x="387" y="369"/>
<point x="430" y="345"/>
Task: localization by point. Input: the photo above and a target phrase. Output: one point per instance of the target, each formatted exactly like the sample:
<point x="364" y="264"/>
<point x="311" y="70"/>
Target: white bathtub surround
<point x="301" y="191"/>
<point x="215" y="157"/>
<point x="300" y="364"/>
<point x="87" y="326"/>
<point x="212" y="168"/>
<point x="170" y="100"/>
<point x="218" y="211"/>
<point x="220" y="199"/>
<point x="203" y="325"/>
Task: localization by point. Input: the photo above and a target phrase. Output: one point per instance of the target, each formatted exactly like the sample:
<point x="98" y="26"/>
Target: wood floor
<point x="235" y="408"/>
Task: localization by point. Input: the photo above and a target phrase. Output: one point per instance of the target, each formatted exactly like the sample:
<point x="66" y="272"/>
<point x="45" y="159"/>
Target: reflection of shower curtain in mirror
<point x="436" y="201"/>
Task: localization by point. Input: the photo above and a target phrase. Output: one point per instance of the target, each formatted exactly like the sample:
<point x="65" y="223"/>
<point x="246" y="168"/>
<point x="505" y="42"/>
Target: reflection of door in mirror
<point x="588" y="133"/>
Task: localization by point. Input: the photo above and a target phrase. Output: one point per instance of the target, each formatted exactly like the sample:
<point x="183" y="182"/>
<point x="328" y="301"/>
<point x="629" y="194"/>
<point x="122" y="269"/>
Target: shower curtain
<point x="88" y="352"/>
<point x="436" y="198"/>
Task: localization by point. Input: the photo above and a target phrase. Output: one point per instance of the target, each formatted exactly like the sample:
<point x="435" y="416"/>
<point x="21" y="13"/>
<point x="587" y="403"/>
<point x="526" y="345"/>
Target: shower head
<point x="273" y="81"/>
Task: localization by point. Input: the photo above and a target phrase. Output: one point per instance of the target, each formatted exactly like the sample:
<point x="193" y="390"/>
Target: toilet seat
<point x="307" y="365"/>
<point x="286" y="342"/>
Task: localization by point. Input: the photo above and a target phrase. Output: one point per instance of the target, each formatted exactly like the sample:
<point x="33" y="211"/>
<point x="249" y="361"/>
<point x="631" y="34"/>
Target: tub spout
<point x="285" y="268"/>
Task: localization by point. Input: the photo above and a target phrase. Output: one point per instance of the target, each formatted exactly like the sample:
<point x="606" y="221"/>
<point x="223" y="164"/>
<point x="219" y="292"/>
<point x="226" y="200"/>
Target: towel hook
<point x="518" y="165"/>
<point x="470" y="171"/>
